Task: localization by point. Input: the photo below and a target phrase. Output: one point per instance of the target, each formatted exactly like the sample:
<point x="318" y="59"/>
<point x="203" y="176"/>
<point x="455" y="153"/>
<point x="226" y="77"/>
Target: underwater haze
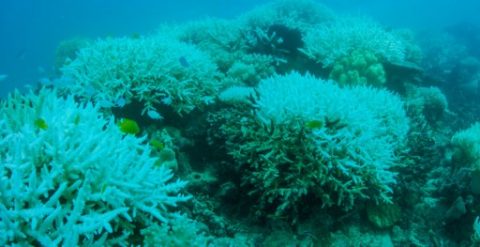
<point x="31" y="29"/>
<point x="306" y="123"/>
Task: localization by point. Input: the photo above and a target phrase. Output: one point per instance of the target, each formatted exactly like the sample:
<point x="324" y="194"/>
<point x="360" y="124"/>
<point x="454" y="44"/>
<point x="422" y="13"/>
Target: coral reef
<point x="289" y="125"/>
<point x="76" y="179"/>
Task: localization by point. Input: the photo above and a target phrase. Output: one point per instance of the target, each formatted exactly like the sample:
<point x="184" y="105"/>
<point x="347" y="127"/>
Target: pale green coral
<point x="78" y="180"/>
<point x="359" y="68"/>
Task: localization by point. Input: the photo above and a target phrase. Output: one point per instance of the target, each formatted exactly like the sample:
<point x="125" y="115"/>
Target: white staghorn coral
<point x="70" y="177"/>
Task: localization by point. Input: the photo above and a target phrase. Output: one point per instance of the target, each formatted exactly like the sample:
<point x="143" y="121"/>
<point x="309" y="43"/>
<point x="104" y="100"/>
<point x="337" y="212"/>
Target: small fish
<point x="167" y="101"/>
<point x="129" y="126"/>
<point x="183" y="61"/>
<point x="40" y="123"/>
<point x="314" y="124"/>
<point x="154" y="115"/>
<point x="3" y="77"/>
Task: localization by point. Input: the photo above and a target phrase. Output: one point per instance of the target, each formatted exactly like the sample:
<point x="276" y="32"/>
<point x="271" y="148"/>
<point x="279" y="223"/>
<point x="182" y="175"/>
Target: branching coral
<point x="152" y="70"/>
<point x="330" y="41"/>
<point x="466" y="145"/>
<point x="75" y="179"/>
<point x="226" y="43"/>
<point x="67" y="49"/>
<point x="278" y="30"/>
<point x="295" y="14"/>
<point x="311" y="138"/>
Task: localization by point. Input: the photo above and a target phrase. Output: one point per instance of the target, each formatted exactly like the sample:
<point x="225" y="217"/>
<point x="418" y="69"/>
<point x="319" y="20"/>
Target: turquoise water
<point x="239" y="123"/>
<point x="31" y="30"/>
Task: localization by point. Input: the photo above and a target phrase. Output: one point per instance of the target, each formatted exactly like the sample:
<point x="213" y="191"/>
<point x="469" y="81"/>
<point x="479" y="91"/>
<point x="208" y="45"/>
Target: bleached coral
<point x="226" y="43"/>
<point x="236" y="95"/>
<point x="388" y="109"/>
<point x="277" y="28"/>
<point x="295" y="96"/>
<point x="312" y="138"/>
<point x="70" y="177"/>
<point x="152" y="70"/>
<point x="296" y="14"/>
<point x="330" y="41"/>
<point x="67" y="50"/>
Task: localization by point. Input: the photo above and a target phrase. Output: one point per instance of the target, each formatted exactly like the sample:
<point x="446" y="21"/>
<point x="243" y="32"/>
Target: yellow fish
<point x="314" y="124"/>
<point x="129" y="126"/>
<point x="40" y="123"/>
